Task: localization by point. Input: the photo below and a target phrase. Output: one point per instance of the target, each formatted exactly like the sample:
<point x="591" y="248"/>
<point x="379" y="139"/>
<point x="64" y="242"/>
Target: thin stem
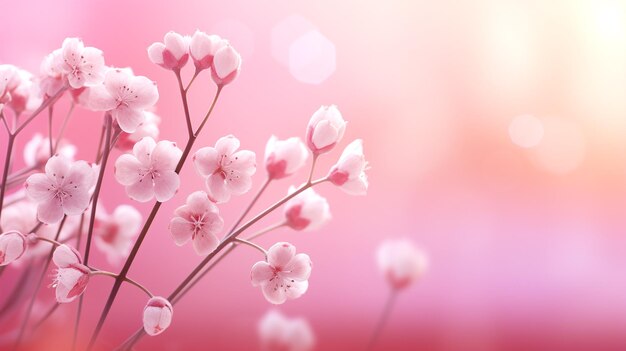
<point x="126" y="279"/>
<point x="252" y="203"/>
<point x="99" y="149"/>
<point x="195" y="74"/>
<point x="183" y="95"/>
<point x="131" y="257"/>
<point x="251" y="244"/>
<point x="46" y="316"/>
<point x="315" y="156"/>
<point x="383" y="318"/>
<point x="79" y="309"/>
<point x="17" y="292"/>
<point x="65" y="121"/>
<point x="39" y="281"/>
<point x="5" y="173"/>
<point x="6" y="125"/>
<point x="266" y="230"/>
<point x="50" y="113"/>
<point x="21" y="172"/>
<point x="208" y="114"/>
<point x="53" y="242"/>
<point x="49" y="101"/>
<point x="96" y="193"/>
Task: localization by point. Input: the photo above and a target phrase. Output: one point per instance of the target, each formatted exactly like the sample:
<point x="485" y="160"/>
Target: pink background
<point x="526" y="245"/>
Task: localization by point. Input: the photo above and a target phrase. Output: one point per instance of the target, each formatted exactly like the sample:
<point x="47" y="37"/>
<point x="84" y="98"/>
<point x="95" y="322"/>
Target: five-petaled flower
<point x="401" y="262"/>
<point x="226" y="170"/>
<point x="172" y="54"/>
<point x="284" y="275"/>
<point x="114" y="233"/>
<point x="12" y="246"/>
<point x="349" y="172"/>
<point x="157" y="315"/>
<point x="125" y="95"/>
<point x="284" y="157"/>
<point x="72" y="276"/>
<point x="278" y="332"/>
<point x="148" y="128"/>
<point x="326" y="128"/>
<point x="83" y="66"/>
<point x="307" y="210"/>
<point x="62" y="189"/>
<point x="198" y="220"/>
<point x="150" y="170"/>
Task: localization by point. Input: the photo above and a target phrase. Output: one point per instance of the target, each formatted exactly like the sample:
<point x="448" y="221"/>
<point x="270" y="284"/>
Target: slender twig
<point x="96" y="193"/>
<point x="79" y="308"/>
<point x="17" y="292"/>
<point x="99" y="149"/>
<point x="144" y="231"/>
<point x="266" y="230"/>
<point x="251" y="244"/>
<point x="6" y="125"/>
<point x="49" y="101"/>
<point x="65" y="121"/>
<point x="39" y="281"/>
<point x="195" y="74"/>
<point x="46" y="316"/>
<point x="50" y="113"/>
<point x="5" y="173"/>
<point x="208" y="114"/>
<point x="183" y="95"/>
<point x="126" y="279"/>
<point x="315" y="156"/>
<point x="383" y="318"/>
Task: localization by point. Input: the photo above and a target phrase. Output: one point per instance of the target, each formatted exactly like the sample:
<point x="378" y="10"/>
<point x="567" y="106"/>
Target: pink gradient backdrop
<point x="521" y="257"/>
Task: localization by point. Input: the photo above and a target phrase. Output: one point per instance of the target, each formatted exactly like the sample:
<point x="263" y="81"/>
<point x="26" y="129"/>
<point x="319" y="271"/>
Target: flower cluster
<point x="61" y="203"/>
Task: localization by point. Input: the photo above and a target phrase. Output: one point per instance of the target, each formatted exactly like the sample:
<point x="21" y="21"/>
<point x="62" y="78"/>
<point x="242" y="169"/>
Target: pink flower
<point x="308" y="210"/>
<point x="326" y="128"/>
<point x="12" y="246"/>
<point x="8" y="81"/>
<point x="22" y="217"/>
<point x="72" y="276"/>
<point x="173" y="54"/>
<point x="284" y="157"/>
<point x="24" y="92"/>
<point x="51" y="73"/>
<point x="226" y="65"/>
<point x="284" y="276"/>
<point x="114" y="234"/>
<point x="227" y="171"/>
<point x="37" y="150"/>
<point x="401" y="262"/>
<point x="157" y="315"/>
<point x="62" y="189"/>
<point x="203" y="48"/>
<point x="148" y="128"/>
<point x="150" y="171"/>
<point x="126" y="96"/>
<point x="198" y="220"/>
<point x="349" y="172"/>
<point x="279" y="333"/>
<point x="83" y="66"/>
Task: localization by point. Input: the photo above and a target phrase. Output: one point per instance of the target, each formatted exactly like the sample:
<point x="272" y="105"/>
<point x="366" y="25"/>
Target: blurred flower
<point x="83" y="66"/>
<point x="22" y="217"/>
<point x="326" y="128"/>
<point x="51" y="80"/>
<point x="226" y="170"/>
<point x="72" y="276"/>
<point x="203" y="48"/>
<point x="12" y="246"/>
<point x="172" y="54"/>
<point x="62" y="189"/>
<point x="8" y="76"/>
<point x="24" y="92"/>
<point x="114" y="234"/>
<point x="198" y="220"/>
<point x="401" y="262"/>
<point x="150" y="170"/>
<point x="279" y="333"/>
<point x="226" y="65"/>
<point x="148" y="128"/>
<point x="37" y="150"/>
<point x="284" y="157"/>
<point x="349" y="172"/>
<point x="308" y="210"/>
<point x="284" y="276"/>
<point x="126" y="96"/>
<point x="157" y="315"/>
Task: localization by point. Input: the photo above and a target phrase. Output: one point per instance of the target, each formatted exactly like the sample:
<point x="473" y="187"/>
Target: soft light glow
<point x="312" y="58"/>
<point x="526" y="131"/>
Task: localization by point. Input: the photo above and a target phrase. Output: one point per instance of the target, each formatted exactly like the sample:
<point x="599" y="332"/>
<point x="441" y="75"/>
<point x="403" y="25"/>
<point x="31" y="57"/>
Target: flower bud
<point x="284" y="157"/>
<point x="401" y="262"/>
<point x="172" y="54"/>
<point x="203" y="48"/>
<point x="349" y="172"/>
<point x="12" y="246"/>
<point x="308" y="210"/>
<point x="157" y="315"/>
<point x="325" y="129"/>
<point x="226" y="65"/>
<point x="72" y="276"/>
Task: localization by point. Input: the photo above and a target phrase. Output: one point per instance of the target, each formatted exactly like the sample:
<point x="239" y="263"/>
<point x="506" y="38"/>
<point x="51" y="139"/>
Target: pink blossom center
<point x="124" y="95"/>
<point x="197" y="222"/>
<point x="225" y="170"/>
<point x="61" y="191"/>
<point x="277" y="280"/>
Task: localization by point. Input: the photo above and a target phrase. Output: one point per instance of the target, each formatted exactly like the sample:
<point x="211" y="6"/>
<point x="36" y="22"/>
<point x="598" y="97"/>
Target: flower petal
<point x="244" y="161"/>
<point x="166" y="185"/>
<point x="143" y="150"/>
<point x="127" y="169"/>
<point x="181" y="230"/>
<point x="227" y="145"/>
<point x="206" y="161"/>
<point x="216" y="189"/>
<point x="50" y="211"/>
<point x="299" y="268"/>
<point x="261" y="273"/>
<point x="38" y="187"/>
<point x="145" y="93"/>
<point x="166" y="155"/>
<point x="64" y="256"/>
<point x="204" y="243"/>
<point x="274" y="294"/>
<point x="142" y="191"/>
<point x="128" y="118"/>
<point x="280" y="254"/>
